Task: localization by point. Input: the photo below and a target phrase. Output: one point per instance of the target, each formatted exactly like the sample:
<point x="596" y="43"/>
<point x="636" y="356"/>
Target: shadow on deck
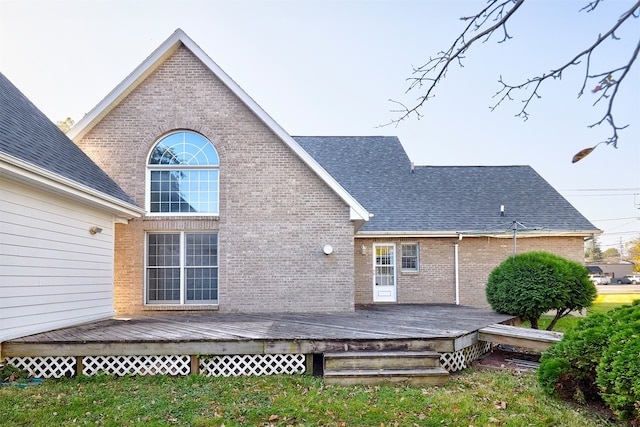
<point x="245" y="344"/>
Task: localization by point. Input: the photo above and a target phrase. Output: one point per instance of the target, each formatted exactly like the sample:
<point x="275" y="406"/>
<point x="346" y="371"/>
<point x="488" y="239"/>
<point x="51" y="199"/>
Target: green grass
<point x="569" y="322"/>
<point x="478" y="398"/>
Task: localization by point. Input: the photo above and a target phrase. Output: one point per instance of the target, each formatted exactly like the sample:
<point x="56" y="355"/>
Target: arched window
<point x="183" y="176"/>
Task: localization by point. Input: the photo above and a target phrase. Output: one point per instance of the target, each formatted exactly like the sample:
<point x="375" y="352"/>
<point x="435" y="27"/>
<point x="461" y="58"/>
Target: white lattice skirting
<point x="45" y="367"/>
<point x="252" y="364"/>
<point x="136" y="365"/>
<point x="461" y="359"/>
<point x="219" y="366"/>
<point x="211" y="366"/>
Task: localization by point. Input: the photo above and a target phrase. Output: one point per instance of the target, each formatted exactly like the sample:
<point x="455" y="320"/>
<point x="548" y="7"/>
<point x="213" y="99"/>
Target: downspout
<point x="455" y="271"/>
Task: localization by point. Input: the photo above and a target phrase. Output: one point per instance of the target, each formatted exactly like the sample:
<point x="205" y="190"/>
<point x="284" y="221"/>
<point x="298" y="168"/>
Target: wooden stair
<point x="384" y="367"/>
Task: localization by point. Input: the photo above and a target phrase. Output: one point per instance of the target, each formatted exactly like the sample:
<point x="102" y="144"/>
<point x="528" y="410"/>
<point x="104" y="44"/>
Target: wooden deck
<point x="412" y="327"/>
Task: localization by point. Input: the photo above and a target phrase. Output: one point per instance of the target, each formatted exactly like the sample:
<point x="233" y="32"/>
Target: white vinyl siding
<point x="53" y="272"/>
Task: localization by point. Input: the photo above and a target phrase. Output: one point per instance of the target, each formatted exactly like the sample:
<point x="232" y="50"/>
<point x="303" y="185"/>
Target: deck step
<point x="384" y="367"/>
<point x="381" y="360"/>
<point x="429" y="376"/>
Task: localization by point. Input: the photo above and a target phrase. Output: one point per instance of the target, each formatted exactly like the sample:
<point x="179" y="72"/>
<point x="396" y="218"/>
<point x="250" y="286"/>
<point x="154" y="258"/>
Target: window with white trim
<point x="182" y="268"/>
<point x="183" y="176"/>
<point x="410" y="257"/>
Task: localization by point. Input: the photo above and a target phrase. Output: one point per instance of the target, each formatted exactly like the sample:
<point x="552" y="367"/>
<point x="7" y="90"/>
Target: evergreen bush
<point x="531" y="284"/>
<point x="599" y="359"/>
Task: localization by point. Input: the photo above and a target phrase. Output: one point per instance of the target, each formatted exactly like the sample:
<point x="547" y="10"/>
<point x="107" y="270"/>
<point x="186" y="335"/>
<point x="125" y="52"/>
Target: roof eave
<point x="179" y="37"/>
<point x="17" y="169"/>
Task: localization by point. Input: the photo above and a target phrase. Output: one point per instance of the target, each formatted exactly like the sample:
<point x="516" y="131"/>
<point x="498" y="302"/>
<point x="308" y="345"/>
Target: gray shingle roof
<point x="377" y="172"/>
<point x="26" y="133"/>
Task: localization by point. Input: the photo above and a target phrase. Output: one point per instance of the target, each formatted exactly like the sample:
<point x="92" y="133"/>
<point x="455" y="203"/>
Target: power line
<point x="602" y="189"/>
<point x="601" y="195"/>
<point x="617" y="219"/>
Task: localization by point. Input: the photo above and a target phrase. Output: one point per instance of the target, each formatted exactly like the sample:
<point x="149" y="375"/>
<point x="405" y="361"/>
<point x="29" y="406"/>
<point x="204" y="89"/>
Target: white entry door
<point x="384" y="275"/>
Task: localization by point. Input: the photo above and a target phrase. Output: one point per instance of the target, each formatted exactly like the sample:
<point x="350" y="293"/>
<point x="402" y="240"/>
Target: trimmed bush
<point x="618" y="373"/>
<point x="531" y="284"/>
<point x="599" y="359"/>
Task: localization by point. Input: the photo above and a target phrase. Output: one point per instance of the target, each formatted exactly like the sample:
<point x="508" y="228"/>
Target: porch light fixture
<point x="363" y="249"/>
<point x="95" y="230"/>
<point x="327" y="249"/>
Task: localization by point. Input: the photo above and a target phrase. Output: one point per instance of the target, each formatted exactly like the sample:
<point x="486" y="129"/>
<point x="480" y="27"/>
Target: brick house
<point x="242" y="217"/>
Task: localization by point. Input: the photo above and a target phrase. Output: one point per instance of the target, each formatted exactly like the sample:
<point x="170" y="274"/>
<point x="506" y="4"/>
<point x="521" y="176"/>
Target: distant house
<point x="239" y="216"/>
<point x="57" y="216"/>
<point x="612" y="270"/>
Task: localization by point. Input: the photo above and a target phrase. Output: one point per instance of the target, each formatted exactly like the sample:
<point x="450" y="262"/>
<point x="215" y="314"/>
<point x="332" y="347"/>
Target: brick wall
<point x="435" y="282"/>
<point x="275" y="213"/>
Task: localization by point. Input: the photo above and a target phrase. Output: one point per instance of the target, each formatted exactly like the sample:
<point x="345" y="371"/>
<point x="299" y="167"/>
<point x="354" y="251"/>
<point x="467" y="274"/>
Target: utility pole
<point x="621" y="250"/>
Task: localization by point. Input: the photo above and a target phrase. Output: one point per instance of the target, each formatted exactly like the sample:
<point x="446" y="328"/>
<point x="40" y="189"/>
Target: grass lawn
<point x="472" y="398"/>
<point x="602" y="304"/>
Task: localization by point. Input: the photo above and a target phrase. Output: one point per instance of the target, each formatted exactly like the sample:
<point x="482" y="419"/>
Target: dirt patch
<point x="507" y="357"/>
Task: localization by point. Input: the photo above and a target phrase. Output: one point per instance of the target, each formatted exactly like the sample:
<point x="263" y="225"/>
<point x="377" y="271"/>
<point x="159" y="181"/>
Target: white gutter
<point x="507" y="234"/>
<point x="17" y="169"/>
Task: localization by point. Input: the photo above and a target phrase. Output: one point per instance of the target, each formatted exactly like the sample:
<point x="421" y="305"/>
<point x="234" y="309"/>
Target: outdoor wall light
<point x="95" y="230"/>
<point x="327" y="249"/>
<point x="363" y="249"/>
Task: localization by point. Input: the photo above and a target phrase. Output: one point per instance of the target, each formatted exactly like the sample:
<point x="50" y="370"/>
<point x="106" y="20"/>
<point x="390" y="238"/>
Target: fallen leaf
<point x="499" y="404"/>
<point x="273" y="417"/>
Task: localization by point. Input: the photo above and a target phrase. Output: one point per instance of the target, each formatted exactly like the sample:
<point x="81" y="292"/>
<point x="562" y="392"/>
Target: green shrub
<point x="580" y="350"/>
<point x="554" y="376"/>
<point x="619" y="372"/>
<point x="531" y="284"/>
<point x="599" y="359"/>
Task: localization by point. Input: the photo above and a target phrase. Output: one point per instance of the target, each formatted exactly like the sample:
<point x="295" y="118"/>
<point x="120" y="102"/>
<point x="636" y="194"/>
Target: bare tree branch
<point x="608" y="83"/>
<point x="443" y="60"/>
<point x="495" y="17"/>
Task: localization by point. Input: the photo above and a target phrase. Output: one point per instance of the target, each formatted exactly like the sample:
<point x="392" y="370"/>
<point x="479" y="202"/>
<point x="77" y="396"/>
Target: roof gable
<point x="28" y="137"/>
<point x="165" y="50"/>
<point x="442" y="199"/>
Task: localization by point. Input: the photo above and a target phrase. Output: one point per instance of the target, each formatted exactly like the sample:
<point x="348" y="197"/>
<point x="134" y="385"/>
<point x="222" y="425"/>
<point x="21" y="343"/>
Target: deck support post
<point x="308" y="364"/>
<point x="79" y="366"/>
<point x="195" y="365"/>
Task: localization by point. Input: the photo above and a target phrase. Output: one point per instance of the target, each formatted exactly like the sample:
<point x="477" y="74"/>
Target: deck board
<point x="380" y="326"/>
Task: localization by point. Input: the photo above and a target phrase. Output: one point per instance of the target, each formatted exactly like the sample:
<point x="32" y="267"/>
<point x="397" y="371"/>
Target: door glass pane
<point x="385" y="266"/>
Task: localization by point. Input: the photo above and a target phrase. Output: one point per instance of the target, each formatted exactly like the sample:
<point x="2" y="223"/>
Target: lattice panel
<point x="473" y="352"/>
<point x="45" y="367"/>
<point x="461" y="359"/>
<point x="252" y="364"/>
<point x="136" y="365"/>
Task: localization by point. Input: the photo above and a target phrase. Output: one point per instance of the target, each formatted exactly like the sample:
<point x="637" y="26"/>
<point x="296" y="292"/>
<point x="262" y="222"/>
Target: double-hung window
<point x="183" y="176"/>
<point x="410" y="257"/>
<point x="182" y="268"/>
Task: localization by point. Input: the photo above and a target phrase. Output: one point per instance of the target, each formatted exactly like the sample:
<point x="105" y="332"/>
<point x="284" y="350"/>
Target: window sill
<point x="176" y="307"/>
<point x="162" y="217"/>
<point x="410" y="273"/>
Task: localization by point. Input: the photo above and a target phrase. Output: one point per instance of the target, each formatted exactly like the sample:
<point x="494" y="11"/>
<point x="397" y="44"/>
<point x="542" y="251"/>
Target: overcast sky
<point x="331" y="67"/>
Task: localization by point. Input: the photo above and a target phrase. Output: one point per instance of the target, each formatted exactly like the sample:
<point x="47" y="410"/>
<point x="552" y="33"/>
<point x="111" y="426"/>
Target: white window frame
<point x="182" y="267"/>
<point x="153" y="168"/>
<point x="402" y="256"/>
